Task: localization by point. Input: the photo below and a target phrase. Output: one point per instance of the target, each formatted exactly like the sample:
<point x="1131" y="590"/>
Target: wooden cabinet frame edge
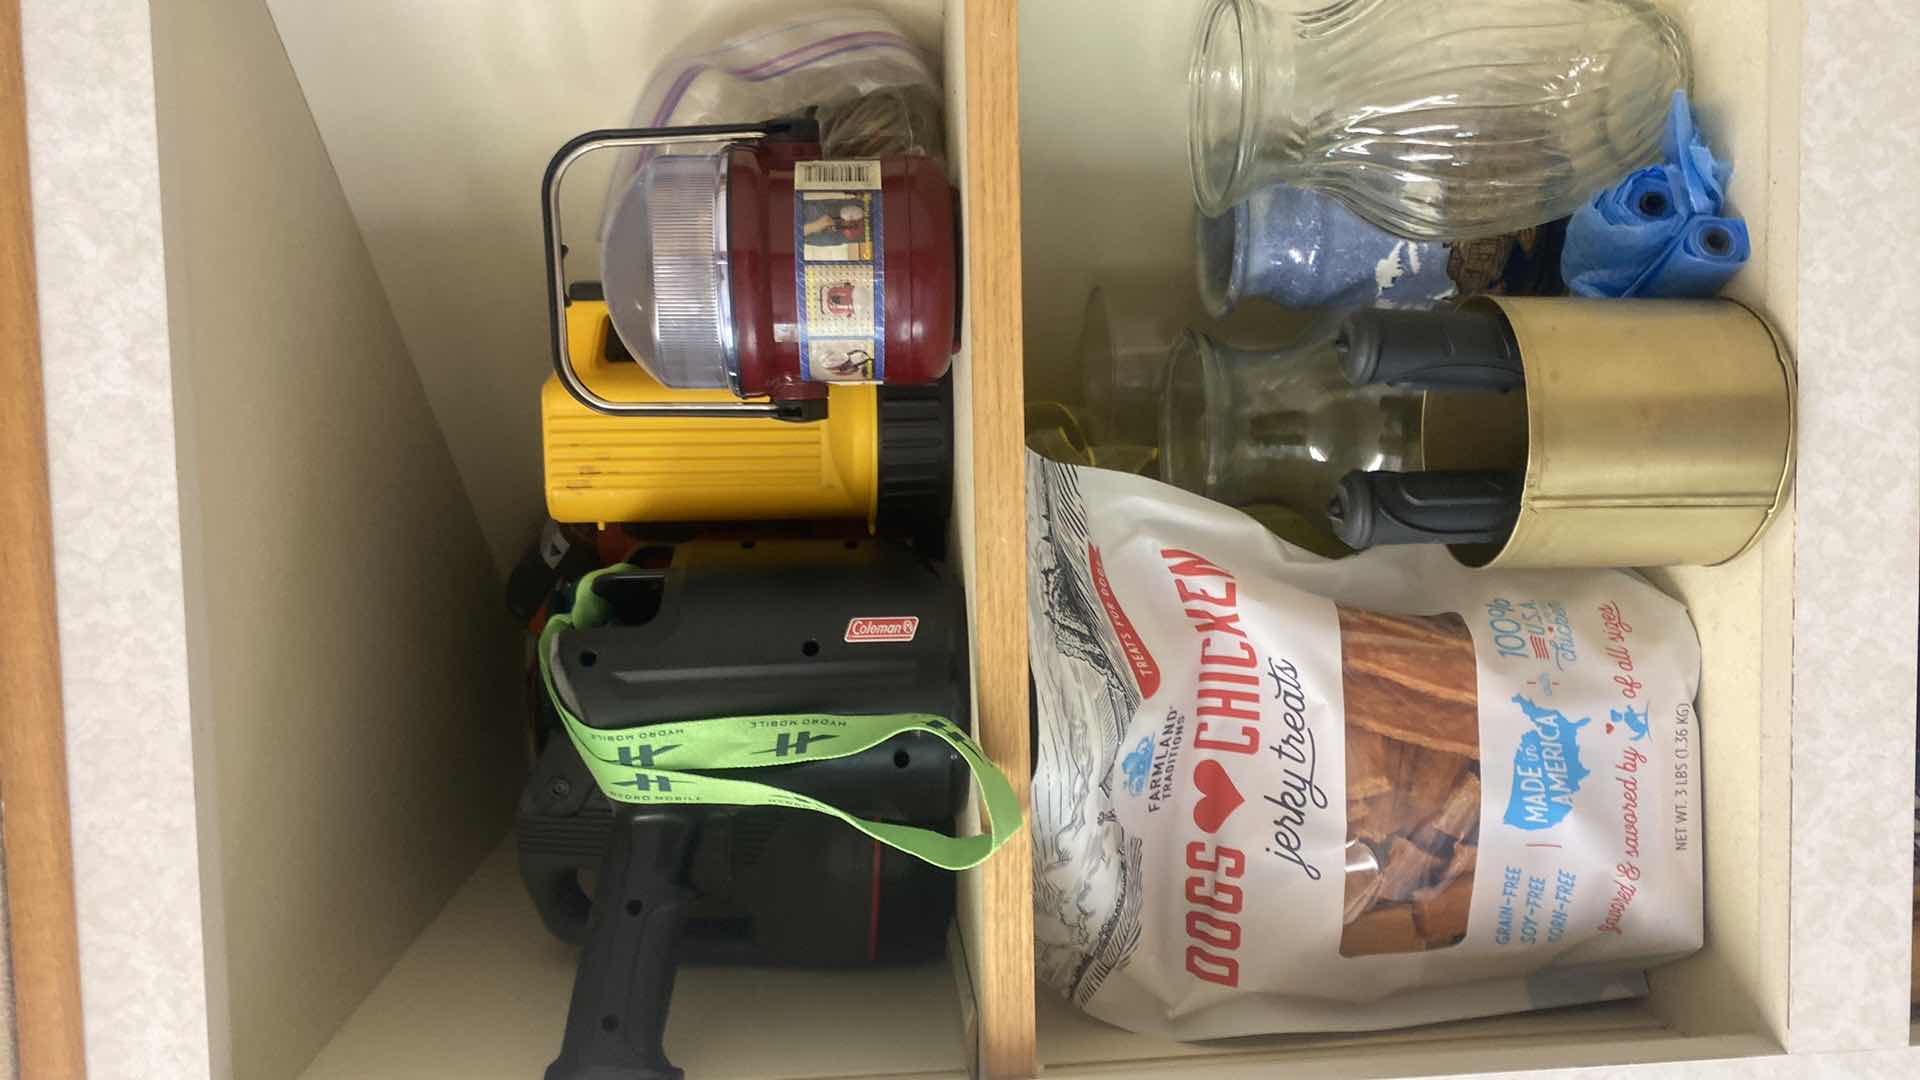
<point x="43" y="938"/>
<point x="1004" y="983"/>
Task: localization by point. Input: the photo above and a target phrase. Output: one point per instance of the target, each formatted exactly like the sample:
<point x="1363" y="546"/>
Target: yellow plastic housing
<point x="604" y="469"/>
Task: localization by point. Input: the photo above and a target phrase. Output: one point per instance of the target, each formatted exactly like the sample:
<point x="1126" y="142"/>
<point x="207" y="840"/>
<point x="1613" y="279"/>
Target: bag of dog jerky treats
<point x="1280" y="793"/>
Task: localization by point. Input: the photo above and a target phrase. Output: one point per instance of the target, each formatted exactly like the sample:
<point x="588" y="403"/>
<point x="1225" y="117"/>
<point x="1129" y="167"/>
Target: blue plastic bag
<point x="1699" y="261"/>
<point x="1662" y="231"/>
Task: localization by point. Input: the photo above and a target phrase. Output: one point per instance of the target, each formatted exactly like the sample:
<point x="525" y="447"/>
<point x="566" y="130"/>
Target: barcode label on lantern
<point x="836" y="176"/>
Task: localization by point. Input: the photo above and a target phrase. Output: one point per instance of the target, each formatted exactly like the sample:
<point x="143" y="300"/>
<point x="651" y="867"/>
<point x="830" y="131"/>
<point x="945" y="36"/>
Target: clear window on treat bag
<point x="1413" y="780"/>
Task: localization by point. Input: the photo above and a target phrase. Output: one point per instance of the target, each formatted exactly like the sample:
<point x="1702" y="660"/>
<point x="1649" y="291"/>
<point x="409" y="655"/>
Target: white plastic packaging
<point x="1280" y="793"/>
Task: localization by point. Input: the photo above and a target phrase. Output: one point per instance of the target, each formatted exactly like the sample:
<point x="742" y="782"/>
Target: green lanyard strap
<point x="625" y="762"/>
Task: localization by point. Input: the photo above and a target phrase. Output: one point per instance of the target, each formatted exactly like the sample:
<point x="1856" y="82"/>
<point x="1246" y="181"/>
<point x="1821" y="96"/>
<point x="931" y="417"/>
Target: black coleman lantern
<point x="737" y="258"/>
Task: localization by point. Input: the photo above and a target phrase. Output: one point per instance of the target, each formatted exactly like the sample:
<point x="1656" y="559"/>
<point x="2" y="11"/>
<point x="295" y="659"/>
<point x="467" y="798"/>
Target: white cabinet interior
<point x="439" y="119"/>
<point x="355" y="364"/>
<point x="1107" y="201"/>
<point x="420" y="340"/>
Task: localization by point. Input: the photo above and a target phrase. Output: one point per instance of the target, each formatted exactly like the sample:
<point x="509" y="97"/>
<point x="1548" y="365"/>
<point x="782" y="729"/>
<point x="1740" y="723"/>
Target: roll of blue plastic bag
<point x="1638" y="237"/>
<point x="1700" y="261"/>
<point x="1612" y="241"/>
<point x="1300" y="248"/>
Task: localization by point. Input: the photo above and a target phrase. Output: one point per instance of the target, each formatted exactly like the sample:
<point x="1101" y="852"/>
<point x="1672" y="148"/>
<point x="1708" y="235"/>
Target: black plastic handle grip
<point x="617" y="1020"/>
<point x="1451" y="349"/>
<point x="1460" y="507"/>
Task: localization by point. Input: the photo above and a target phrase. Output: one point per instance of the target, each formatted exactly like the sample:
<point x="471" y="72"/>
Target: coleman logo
<point x="898" y="628"/>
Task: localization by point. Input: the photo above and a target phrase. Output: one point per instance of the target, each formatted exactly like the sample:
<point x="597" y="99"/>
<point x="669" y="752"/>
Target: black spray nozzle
<point x="1453" y="507"/>
<point x="1455" y="349"/>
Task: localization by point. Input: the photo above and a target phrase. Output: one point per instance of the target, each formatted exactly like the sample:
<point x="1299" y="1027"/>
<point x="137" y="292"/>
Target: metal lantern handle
<point x="618" y="138"/>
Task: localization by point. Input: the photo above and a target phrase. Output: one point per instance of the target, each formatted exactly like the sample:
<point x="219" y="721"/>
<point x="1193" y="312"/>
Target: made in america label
<point x="839" y="271"/>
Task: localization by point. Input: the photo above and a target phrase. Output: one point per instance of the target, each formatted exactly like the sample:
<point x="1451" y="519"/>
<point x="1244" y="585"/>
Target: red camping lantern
<point x="753" y="264"/>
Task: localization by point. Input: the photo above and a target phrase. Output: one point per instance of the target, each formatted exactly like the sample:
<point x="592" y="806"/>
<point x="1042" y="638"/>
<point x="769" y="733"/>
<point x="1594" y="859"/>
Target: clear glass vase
<point x="1123" y="354"/>
<point x="1434" y="119"/>
<point x="1254" y="426"/>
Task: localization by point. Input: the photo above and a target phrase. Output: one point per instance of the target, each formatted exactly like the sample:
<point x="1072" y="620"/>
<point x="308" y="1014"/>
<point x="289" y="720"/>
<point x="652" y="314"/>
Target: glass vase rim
<point x="1213" y="200"/>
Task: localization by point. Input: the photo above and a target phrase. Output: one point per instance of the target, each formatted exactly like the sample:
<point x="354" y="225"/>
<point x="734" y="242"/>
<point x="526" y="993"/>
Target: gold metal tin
<point x="1659" y="433"/>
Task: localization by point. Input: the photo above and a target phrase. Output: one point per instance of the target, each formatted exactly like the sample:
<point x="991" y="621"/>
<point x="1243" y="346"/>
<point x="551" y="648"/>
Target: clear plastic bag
<point x="1276" y="793"/>
<point x="873" y="90"/>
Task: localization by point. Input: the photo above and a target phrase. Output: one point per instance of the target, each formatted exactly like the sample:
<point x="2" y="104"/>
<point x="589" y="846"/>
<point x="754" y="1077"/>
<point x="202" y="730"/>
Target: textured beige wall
<point x="107" y="367"/>
<point x="1858" y="520"/>
<point x="353" y="670"/>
